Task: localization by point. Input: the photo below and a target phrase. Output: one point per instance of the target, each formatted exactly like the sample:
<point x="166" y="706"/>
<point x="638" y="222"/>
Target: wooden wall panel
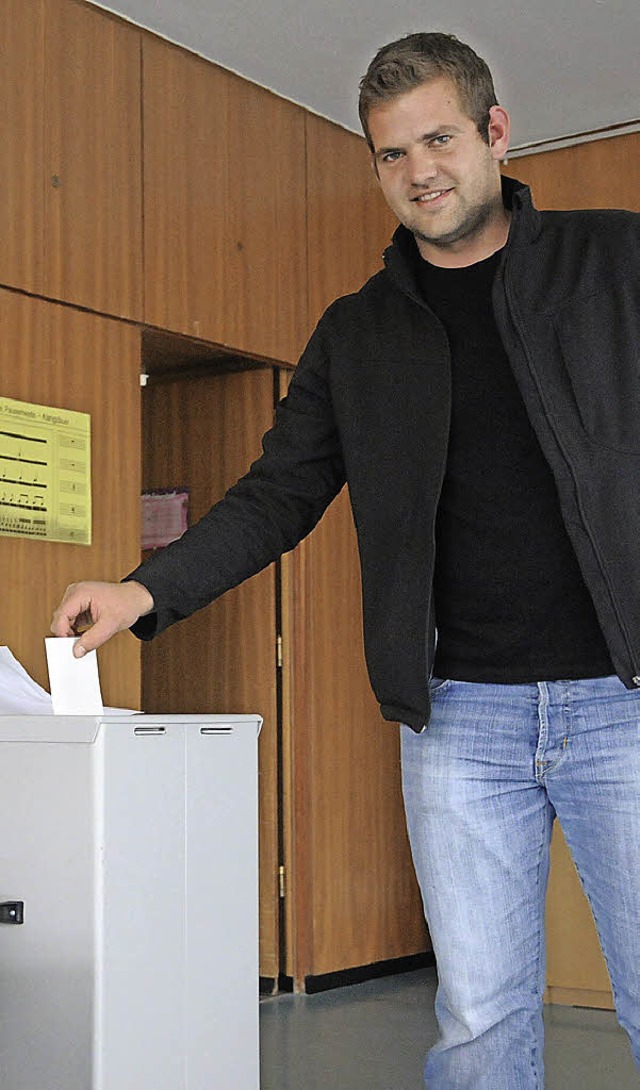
<point x="602" y="174"/>
<point x="204" y="433"/>
<point x="93" y="212"/>
<point x="266" y="255"/>
<point x="225" y="241"/>
<point x="185" y="191"/>
<point x="21" y="144"/>
<point x="349" y="224"/>
<point x="53" y="355"/>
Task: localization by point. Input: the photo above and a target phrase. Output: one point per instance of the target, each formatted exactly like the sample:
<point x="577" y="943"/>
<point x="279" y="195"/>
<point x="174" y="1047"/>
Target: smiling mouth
<point x="430" y="197"/>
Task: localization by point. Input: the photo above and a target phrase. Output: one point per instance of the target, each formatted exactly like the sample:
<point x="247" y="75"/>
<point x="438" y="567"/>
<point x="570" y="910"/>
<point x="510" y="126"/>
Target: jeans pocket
<point x="436" y="684"/>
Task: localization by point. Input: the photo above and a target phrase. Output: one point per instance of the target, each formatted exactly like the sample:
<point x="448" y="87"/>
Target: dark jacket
<point x="370" y="404"/>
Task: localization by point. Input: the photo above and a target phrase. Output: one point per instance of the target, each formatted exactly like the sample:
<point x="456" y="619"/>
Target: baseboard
<point x="360" y="973"/>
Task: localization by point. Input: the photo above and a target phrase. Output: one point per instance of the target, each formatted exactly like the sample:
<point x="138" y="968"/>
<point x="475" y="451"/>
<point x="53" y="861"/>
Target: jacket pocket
<point x="599" y="338"/>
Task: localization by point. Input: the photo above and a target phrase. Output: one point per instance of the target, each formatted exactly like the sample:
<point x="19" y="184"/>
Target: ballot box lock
<point x="12" y="912"/>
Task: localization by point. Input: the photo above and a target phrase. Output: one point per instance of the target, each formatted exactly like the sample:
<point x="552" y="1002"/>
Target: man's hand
<point x="96" y="611"/>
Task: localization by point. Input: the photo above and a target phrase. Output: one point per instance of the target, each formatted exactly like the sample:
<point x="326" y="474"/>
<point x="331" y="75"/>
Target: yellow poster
<point x="45" y="472"/>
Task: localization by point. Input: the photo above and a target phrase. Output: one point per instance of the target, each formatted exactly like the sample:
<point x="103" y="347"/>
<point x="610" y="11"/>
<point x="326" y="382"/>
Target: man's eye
<point x="441" y="141"/>
<point x="390" y="156"/>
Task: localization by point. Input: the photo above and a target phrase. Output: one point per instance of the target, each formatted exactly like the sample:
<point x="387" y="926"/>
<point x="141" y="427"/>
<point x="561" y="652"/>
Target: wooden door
<point x="601" y="174"/>
<point x="53" y="355"/>
<point x="203" y="433"/>
<point x="93" y="160"/>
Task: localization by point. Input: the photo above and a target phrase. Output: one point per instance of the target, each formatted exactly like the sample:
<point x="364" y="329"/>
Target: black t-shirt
<point x="510" y="601"/>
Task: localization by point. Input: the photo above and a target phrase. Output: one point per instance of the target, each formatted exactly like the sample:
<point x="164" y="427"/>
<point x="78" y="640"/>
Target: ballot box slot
<point x="143" y="731"/>
<point x="216" y="730"/>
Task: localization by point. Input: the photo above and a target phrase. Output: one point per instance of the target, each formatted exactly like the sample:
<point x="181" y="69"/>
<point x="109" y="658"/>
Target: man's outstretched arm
<point x="267" y="512"/>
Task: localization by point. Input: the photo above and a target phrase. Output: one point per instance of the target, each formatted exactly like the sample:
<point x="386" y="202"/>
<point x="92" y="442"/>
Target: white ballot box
<point x="129" y="903"/>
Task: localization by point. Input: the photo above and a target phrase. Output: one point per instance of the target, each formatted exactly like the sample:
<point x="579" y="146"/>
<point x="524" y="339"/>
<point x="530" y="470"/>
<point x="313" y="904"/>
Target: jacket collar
<point x="401" y="256"/>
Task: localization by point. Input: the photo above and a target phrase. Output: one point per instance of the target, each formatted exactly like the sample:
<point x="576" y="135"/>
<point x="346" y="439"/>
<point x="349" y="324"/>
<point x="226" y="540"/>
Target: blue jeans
<point x="482" y="785"/>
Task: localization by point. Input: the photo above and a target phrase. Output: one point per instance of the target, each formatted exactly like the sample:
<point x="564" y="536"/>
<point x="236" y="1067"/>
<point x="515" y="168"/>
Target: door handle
<point x="12" y="912"/>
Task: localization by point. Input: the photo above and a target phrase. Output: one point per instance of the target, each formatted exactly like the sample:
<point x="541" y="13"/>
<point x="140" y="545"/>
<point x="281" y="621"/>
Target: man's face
<point x="438" y="175"/>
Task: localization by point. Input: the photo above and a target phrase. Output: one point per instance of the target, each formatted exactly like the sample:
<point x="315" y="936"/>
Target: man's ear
<point x="499" y="132"/>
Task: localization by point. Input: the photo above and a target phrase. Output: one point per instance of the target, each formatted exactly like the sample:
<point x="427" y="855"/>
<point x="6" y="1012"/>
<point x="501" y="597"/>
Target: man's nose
<point x="422" y="166"/>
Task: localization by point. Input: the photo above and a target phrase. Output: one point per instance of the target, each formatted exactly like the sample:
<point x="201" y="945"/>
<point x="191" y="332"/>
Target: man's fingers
<point x="94" y="637"/>
<point x="75" y="604"/>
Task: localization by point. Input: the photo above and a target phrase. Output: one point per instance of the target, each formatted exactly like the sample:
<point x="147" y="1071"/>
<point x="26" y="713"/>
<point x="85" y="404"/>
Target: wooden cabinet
<point x="93" y="182"/>
<point x="267" y="255"/>
<point x="224" y="207"/>
<point x="70" y="142"/>
<point x="53" y="355"/>
<point x="185" y="191"/>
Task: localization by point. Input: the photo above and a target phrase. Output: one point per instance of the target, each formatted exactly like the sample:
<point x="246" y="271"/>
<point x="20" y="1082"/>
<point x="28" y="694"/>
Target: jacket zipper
<point x="443" y="470"/>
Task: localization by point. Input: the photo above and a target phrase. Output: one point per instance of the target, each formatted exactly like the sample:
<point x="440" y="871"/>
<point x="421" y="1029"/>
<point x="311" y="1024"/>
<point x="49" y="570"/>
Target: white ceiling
<point x="560" y="66"/>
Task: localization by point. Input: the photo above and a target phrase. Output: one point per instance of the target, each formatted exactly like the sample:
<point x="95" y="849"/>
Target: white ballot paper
<point x="19" y="693"/>
<point x="74" y="683"/>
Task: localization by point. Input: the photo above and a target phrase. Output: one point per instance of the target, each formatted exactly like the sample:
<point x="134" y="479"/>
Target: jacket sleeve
<point x="265" y="514"/>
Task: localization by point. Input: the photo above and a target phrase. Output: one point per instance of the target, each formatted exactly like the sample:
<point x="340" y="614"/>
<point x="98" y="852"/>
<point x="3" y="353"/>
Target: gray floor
<point x="373" y="1036"/>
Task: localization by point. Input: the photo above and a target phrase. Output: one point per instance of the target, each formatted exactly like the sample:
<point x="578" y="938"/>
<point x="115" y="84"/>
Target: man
<point x="480" y="395"/>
